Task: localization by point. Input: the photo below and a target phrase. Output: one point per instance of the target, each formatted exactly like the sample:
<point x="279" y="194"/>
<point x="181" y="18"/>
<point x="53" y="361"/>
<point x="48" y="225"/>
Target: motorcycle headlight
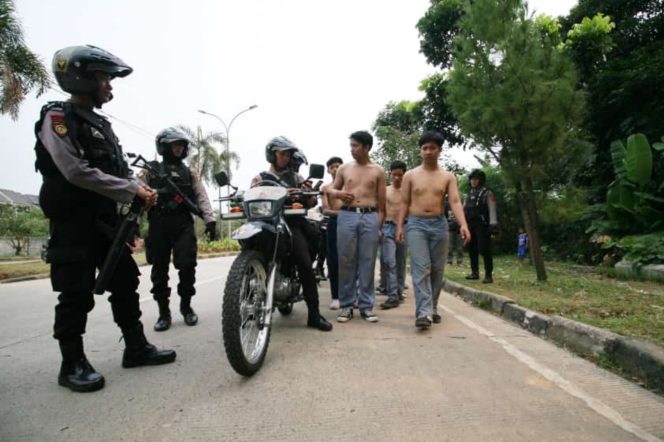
<point x="260" y="209"/>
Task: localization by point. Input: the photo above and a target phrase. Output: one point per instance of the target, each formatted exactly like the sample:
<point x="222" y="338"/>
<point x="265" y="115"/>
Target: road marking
<point x="595" y="404"/>
<point x="207" y="281"/>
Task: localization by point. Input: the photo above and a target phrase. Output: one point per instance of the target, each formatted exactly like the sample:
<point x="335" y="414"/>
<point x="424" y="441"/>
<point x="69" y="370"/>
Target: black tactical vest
<point x="95" y="140"/>
<point x="180" y="175"/>
<point x="476" y="208"/>
<point x="91" y="134"/>
<point x="287" y="177"/>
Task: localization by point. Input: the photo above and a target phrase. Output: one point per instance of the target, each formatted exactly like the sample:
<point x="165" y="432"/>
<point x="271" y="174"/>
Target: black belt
<point x="358" y="209"/>
<point x="393" y="223"/>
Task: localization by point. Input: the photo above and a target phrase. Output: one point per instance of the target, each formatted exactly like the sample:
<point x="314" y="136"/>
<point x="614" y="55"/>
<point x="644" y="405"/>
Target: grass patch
<point x="15" y="269"/>
<point x="22" y="269"/>
<point x="584" y="294"/>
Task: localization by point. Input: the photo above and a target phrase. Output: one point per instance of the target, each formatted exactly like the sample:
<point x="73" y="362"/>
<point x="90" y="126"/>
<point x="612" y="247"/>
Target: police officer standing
<point x="84" y="176"/>
<point x="171" y="228"/>
<point x="480" y="212"/>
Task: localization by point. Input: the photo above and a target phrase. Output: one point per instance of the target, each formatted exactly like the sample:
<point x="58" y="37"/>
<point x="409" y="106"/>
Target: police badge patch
<point x="58" y="125"/>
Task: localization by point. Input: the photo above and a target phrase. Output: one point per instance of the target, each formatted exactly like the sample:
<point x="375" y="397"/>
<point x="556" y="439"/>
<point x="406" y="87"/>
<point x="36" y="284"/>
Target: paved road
<point x="474" y="377"/>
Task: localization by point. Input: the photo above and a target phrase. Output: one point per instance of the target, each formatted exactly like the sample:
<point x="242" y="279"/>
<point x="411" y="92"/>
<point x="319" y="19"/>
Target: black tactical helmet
<point x="479" y="174"/>
<point x="74" y="68"/>
<point x="276" y="144"/>
<point x="297" y="159"/>
<point x="168" y="136"/>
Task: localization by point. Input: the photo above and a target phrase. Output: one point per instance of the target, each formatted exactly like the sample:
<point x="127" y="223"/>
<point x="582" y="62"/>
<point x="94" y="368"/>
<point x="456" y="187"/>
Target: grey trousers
<point x="357" y="244"/>
<point x="393" y="260"/>
<point x="427" y="244"/>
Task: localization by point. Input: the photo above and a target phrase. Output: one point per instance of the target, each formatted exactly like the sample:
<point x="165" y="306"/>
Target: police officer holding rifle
<point x="85" y="175"/>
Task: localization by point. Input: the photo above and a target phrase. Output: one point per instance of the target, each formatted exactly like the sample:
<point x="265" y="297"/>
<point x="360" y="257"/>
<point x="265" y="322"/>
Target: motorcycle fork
<point x="267" y="314"/>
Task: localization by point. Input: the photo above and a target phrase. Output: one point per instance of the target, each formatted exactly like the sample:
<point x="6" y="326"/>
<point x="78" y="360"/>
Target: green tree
<point x="513" y="89"/>
<point x="204" y="157"/>
<point x="17" y="224"/>
<point x="438" y="30"/>
<point x="398" y="128"/>
<point x="20" y="69"/>
<point x="624" y="85"/>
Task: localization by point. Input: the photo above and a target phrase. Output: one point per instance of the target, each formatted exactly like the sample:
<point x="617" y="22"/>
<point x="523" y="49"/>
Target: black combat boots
<point x="315" y="320"/>
<point x="76" y="373"/>
<point x="164" y="321"/>
<point x="190" y="317"/>
<point x="139" y="351"/>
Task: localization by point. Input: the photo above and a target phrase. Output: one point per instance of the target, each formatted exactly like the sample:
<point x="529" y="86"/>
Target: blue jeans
<point x="427" y="239"/>
<point x="332" y="257"/>
<point x="357" y="244"/>
<point x="393" y="257"/>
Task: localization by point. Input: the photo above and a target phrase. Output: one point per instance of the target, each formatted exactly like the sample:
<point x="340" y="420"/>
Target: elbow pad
<point x="493" y="217"/>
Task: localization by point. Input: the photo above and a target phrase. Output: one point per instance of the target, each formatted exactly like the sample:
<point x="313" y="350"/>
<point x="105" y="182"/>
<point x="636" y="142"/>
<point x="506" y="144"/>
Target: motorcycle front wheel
<point x="246" y="338"/>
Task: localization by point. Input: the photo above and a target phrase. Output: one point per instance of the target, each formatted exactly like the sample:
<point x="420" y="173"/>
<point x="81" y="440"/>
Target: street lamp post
<point x="227" y="128"/>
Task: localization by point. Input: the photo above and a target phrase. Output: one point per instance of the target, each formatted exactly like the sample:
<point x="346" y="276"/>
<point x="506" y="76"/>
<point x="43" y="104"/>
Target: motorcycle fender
<point x="252" y="228"/>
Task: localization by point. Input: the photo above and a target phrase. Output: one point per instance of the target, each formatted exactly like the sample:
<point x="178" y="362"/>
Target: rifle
<point x="129" y="225"/>
<point x="126" y="231"/>
<point x="180" y="197"/>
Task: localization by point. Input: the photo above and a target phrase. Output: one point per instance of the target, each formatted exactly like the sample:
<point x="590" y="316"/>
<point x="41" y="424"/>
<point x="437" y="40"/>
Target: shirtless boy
<point x="360" y="185"/>
<point x="422" y="201"/>
<point x="393" y="253"/>
<point x="331" y="207"/>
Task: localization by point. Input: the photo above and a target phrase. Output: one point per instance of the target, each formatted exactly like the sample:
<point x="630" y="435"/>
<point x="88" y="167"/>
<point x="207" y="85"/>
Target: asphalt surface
<point x="474" y="377"/>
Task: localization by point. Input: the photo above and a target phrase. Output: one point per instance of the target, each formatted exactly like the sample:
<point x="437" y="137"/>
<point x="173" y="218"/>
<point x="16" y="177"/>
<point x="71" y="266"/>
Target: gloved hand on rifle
<point x="211" y="230"/>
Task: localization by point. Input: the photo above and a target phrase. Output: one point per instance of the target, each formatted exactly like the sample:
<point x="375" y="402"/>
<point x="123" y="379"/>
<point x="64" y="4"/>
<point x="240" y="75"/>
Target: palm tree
<point x="20" y="69"/>
<point x="205" y="159"/>
<point x="227" y="158"/>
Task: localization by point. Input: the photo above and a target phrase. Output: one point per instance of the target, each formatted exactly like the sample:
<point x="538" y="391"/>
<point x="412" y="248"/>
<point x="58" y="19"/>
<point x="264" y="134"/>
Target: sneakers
<point x="369" y="316"/>
<point x="390" y="303"/>
<point x="402" y="298"/>
<point x="423" y="323"/>
<point x="345" y="315"/>
<point x="473" y="276"/>
<point x="334" y="305"/>
<point x="436" y="318"/>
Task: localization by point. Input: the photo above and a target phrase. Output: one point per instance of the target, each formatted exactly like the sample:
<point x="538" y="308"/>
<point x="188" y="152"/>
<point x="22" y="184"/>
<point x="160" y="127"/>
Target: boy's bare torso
<point x="362" y="181"/>
<point x="331" y="205"/>
<point x="427" y="190"/>
<point x="392" y="203"/>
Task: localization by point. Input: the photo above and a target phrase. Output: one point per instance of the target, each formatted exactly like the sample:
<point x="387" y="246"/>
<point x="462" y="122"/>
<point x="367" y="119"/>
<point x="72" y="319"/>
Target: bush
<point x="225" y="245"/>
<point x="637" y="249"/>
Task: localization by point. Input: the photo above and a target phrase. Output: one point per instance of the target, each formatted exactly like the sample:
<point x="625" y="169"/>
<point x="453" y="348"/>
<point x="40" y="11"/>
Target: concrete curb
<point x="634" y="358"/>
<point x="24" y="278"/>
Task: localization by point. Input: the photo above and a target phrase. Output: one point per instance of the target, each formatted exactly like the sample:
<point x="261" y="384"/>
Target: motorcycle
<point x="263" y="277"/>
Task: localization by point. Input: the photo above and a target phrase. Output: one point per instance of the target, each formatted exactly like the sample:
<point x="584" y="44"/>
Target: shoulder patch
<point x="58" y="124"/>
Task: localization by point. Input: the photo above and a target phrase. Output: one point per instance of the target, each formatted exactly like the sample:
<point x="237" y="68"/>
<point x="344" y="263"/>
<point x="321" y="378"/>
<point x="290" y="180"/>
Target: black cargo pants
<point x="76" y="249"/>
<point x="172" y="233"/>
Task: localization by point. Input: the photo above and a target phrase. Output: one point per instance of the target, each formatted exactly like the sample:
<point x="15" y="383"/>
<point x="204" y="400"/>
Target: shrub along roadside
<point x="630" y="308"/>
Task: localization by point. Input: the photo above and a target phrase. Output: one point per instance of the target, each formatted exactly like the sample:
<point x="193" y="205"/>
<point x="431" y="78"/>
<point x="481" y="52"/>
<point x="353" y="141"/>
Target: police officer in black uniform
<point x="85" y="175"/>
<point x="278" y="153"/>
<point x="171" y="228"/>
<point x="480" y="211"/>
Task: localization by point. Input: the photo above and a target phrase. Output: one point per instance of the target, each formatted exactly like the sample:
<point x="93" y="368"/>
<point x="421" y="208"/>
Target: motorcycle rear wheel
<point x="246" y="338"/>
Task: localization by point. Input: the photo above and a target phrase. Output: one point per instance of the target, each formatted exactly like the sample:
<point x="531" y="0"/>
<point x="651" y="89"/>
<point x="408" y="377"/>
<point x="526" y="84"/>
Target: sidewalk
<point x="629" y="357"/>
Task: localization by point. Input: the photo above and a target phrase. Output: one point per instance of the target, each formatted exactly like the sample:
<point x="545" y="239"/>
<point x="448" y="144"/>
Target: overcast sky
<point x="317" y="70"/>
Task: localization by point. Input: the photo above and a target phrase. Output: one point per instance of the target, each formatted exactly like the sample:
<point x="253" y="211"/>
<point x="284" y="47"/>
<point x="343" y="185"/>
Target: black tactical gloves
<point x="211" y="230"/>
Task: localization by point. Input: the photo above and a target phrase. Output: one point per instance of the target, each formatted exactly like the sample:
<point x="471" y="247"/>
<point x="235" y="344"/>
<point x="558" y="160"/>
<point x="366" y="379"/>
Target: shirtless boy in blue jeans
<point x="422" y="201"/>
